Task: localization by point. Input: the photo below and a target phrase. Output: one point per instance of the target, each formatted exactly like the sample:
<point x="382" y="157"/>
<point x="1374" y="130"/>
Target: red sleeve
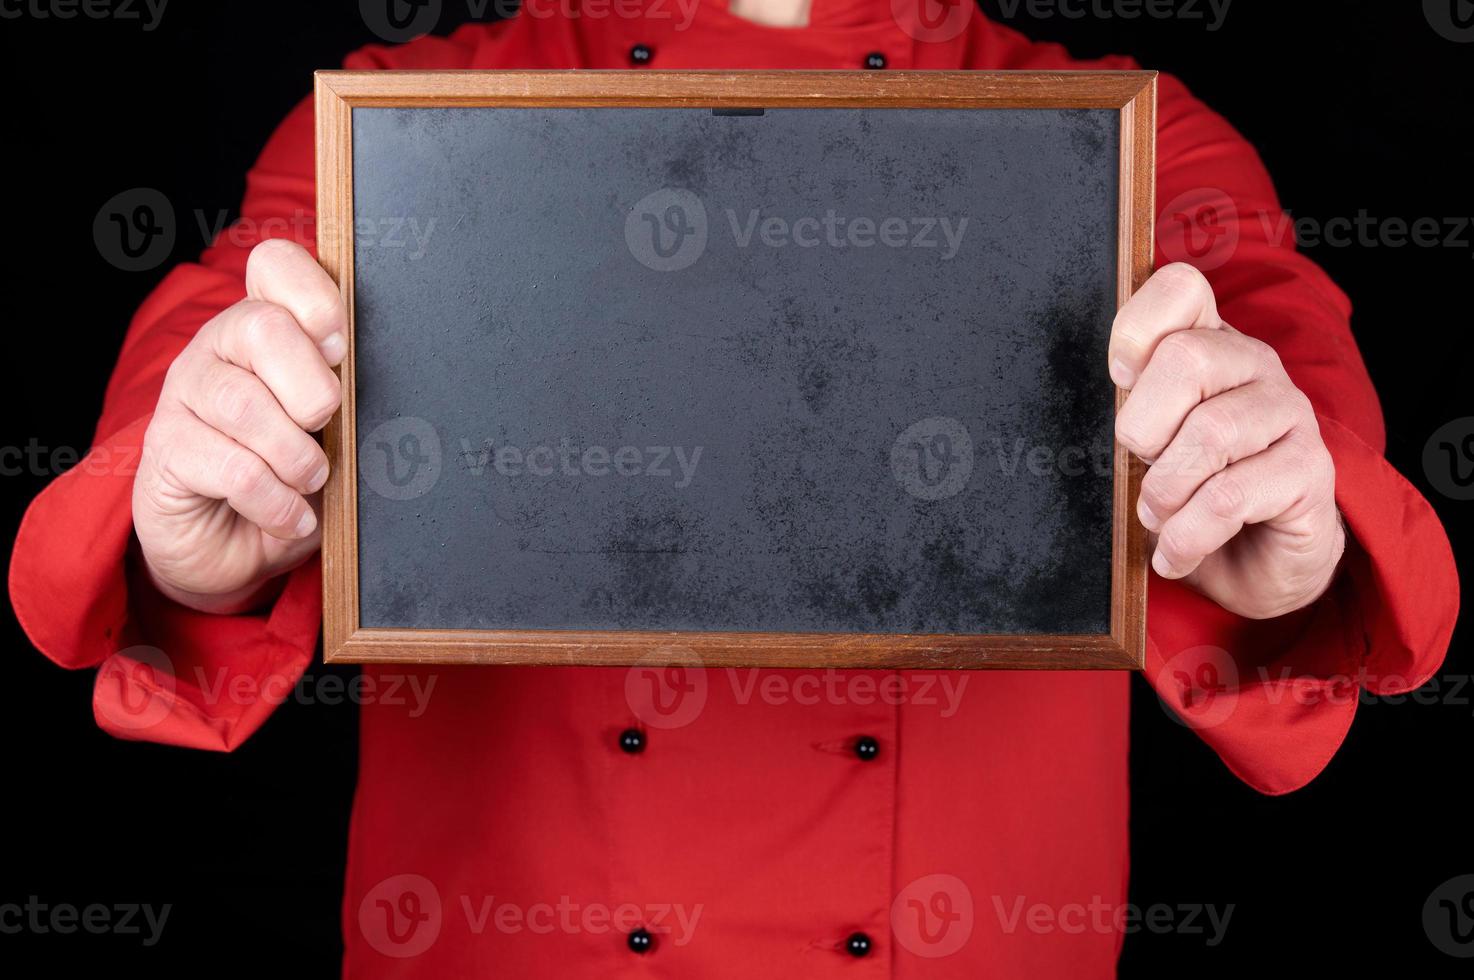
<point x="167" y="673"/>
<point x="1275" y="699"/>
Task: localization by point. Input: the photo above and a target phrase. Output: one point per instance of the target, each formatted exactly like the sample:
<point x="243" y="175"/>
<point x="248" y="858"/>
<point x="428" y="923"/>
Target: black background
<point x="1354" y="105"/>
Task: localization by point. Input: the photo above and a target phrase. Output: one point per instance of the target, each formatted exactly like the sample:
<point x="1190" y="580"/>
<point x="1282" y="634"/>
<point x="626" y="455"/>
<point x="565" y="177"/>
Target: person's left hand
<point x="1240" y="494"/>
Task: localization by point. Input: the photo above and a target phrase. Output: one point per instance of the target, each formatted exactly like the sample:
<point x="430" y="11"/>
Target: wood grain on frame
<point x="1132" y="94"/>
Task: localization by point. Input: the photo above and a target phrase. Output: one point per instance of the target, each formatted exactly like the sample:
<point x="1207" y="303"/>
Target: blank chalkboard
<point x="708" y="368"/>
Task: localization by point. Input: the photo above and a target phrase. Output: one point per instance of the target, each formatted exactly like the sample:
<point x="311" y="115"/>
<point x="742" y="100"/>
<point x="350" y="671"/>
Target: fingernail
<point x="334" y="347"/>
<point x="1160" y="563"/>
<point x="306" y="524"/>
<point x="1121" y="374"/>
<point x="1149" y="520"/>
<point x="315" y="483"/>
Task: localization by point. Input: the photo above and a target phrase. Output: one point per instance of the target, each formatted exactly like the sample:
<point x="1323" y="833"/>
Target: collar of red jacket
<point x="840" y="33"/>
<point x="852" y="13"/>
<point x="824" y="15"/>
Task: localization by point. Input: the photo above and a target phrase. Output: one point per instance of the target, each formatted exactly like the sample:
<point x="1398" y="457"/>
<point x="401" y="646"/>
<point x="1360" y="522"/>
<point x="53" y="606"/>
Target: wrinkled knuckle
<point x="157" y="457"/>
<point x="320" y="406"/>
<point x="1215" y="427"/>
<point x="1324" y="468"/>
<point x="305" y="465"/>
<point x="1316" y="463"/>
<point x="157" y="439"/>
<point x="325" y="315"/>
<point x="176" y="376"/>
<point x="233" y="397"/>
<point x="1267" y="358"/>
<point x="266" y="326"/>
<point x="1129" y="328"/>
<point x="283" y="510"/>
<point x="1182" y="355"/>
<point x="1174" y="542"/>
<point x="245" y="475"/>
<point x="1156" y="493"/>
<point x="1282" y="396"/>
<point x="1225" y="497"/>
<point x="1304" y="407"/>
<point x="150" y="489"/>
<point x="1132" y="432"/>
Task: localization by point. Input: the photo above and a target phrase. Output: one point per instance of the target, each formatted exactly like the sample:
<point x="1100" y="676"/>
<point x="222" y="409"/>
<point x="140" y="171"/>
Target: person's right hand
<point x="221" y="501"/>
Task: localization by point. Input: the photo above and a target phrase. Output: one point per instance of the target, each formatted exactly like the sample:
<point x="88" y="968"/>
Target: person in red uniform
<point x="542" y="821"/>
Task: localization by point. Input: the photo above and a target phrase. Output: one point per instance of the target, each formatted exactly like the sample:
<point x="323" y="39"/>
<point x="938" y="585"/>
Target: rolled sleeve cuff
<point x="1276" y="698"/>
<point x="166" y="673"/>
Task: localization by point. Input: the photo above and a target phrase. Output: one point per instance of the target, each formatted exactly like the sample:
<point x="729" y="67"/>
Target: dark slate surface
<point x="875" y="438"/>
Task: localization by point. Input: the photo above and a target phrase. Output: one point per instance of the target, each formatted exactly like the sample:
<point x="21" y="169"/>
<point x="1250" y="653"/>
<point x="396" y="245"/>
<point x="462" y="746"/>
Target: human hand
<point x="221" y="499"/>
<point x="1240" y="490"/>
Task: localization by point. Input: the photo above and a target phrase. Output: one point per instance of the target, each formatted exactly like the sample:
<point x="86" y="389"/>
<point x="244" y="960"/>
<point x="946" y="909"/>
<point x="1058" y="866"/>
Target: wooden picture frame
<point x="1132" y="94"/>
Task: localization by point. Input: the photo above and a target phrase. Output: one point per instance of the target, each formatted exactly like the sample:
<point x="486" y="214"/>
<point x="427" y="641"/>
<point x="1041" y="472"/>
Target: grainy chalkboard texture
<point x="833" y="370"/>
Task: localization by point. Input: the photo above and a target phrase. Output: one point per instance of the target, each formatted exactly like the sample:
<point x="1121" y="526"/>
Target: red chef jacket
<point x="502" y="829"/>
